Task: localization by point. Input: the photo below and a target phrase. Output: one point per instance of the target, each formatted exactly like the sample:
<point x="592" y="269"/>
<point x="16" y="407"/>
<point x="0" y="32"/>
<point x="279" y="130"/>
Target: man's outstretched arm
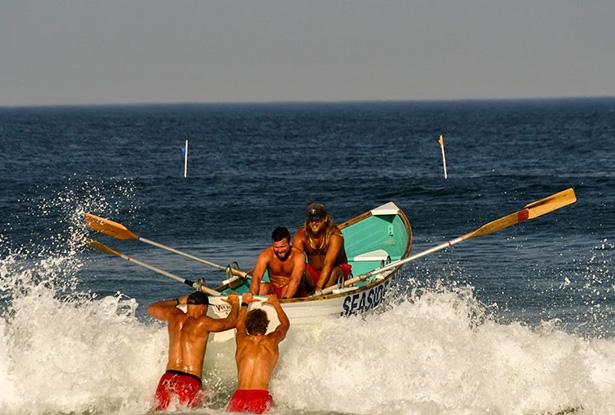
<point x="163" y="310"/>
<point x="280" y="332"/>
<point x="229" y="321"/>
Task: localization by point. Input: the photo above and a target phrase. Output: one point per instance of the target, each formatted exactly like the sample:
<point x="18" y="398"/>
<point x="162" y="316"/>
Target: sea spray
<point x="427" y="355"/>
<point x="587" y="285"/>
<point x="432" y="350"/>
<point x="8" y="395"/>
<point x="65" y="353"/>
<point x="63" y="348"/>
<point x="53" y="223"/>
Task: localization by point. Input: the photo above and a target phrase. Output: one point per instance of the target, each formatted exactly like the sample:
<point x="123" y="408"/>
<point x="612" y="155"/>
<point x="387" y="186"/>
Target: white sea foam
<point x="74" y="354"/>
<point x="437" y="354"/>
<point x="433" y="352"/>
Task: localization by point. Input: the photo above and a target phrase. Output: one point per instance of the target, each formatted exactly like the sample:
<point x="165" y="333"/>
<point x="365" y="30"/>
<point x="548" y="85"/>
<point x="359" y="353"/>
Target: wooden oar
<point x="119" y="231"/>
<point x="530" y="211"/>
<point x="197" y="285"/>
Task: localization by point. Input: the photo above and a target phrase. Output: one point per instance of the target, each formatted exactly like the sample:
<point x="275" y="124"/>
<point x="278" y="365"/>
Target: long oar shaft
<point x="395" y="264"/>
<point x="233" y="271"/>
<point x="180" y="253"/>
<point x="530" y="211"/>
<point x="119" y="231"/>
<point x="108" y="250"/>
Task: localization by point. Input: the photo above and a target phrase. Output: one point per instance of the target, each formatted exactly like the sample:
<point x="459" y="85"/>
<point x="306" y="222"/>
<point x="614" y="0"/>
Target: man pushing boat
<point x="323" y="244"/>
<point x="256" y="356"/>
<point x="188" y="334"/>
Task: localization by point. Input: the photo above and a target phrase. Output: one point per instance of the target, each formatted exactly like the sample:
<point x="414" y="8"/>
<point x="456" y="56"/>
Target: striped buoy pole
<point x="441" y="142"/>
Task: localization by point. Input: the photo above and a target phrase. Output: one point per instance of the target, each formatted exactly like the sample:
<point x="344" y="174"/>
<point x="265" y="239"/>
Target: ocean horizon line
<point x="299" y="103"/>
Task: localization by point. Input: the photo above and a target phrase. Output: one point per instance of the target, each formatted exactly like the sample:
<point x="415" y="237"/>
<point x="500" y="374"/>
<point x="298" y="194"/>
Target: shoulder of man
<point x="205" y="321"/>
<point x="337" y="232"/>
<point x="266" y="253"/>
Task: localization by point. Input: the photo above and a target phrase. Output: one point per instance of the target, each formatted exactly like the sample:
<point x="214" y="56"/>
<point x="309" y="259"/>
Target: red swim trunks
<point x="278" y="289"/>
<point x="255" y="401"/>
<point x="186" y="388"/>
<point x="315" y="274"/>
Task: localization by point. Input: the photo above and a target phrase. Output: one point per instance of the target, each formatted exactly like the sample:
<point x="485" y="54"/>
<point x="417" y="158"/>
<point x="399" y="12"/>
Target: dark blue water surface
<point x="253" y="167"/>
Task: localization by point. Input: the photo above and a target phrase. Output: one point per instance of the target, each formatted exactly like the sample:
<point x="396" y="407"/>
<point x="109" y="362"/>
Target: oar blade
<point x="99" y="246"/>
<point x="551" y="203"/>
<point x="496" y="225"/>
<point x="109" y="227"/>
<point x="531" y="211"/>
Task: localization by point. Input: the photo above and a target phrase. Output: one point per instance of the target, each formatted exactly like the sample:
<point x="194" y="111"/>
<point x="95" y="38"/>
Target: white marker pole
<point x="186" y="160"/>
<point x="441" y="142"/>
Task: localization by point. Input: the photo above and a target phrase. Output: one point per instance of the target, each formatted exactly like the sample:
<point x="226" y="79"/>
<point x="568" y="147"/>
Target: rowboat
<point x="377" y="244"/>
<point x="372" y="240"/>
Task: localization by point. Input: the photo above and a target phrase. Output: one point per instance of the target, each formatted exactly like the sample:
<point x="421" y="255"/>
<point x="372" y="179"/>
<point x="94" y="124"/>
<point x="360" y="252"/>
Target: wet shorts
<point x="184" y="387"/>
<point x="255" y="401"/>
<point x="315" y="274"/>
<point x="278" y="289"/>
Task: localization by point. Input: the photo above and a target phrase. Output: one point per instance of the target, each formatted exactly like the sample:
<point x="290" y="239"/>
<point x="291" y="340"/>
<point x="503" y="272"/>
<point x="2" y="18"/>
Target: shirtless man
<point x="188" y="334"/>
<point x="284" y="263"/>
<point x="256" y="356"/>
<point x="323" y="245"/>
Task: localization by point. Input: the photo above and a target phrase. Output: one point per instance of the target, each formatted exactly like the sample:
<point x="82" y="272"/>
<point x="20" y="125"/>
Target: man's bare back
<point x="188" y="334"/>
<point x="256" y="356"/>
<point x="187" y="343"/>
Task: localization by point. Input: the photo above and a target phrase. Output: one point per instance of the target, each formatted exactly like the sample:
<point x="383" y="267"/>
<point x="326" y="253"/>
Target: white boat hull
<point x="312" y="312"/>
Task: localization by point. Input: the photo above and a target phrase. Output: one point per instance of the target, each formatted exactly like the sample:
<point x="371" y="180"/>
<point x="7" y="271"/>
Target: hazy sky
<point x="119" y="51"/>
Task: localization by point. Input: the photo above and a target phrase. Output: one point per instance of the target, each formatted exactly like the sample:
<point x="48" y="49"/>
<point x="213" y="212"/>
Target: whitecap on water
<point x="438" y="353"/>
<point x="72" y="353"/>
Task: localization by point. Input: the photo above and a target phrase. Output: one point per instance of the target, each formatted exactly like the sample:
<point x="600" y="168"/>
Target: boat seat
<point x="376" y="255"/>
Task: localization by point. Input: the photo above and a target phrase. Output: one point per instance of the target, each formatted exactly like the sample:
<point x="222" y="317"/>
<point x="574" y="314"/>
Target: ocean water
<point x="518" y="322"/>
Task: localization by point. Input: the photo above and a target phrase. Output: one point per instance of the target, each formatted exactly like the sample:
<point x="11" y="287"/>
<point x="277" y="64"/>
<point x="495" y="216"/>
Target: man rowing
<point x="188" y="334"/>
<point x="256" y="356"/>
<point x="323" y="245"/>
<point x="284" y="263"/>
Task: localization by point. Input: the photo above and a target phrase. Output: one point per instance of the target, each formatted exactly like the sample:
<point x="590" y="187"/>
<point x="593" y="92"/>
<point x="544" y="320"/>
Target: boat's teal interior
<point x="370" y="235"/>
<point x="374" y="233"/>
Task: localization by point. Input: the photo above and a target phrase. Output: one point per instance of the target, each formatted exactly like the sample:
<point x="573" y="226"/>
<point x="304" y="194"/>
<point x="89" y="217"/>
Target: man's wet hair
<point x="198" y="298"/>
<point x="256" y="322"/>
<point x="280" y="233"/>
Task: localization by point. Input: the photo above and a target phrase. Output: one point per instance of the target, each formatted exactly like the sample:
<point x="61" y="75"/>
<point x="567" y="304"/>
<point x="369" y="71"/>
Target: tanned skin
<point x="257" y="354"/>
<point x="188" y="331"/>
<point x="285" y="264"/>
<point x="327" y="264"/>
